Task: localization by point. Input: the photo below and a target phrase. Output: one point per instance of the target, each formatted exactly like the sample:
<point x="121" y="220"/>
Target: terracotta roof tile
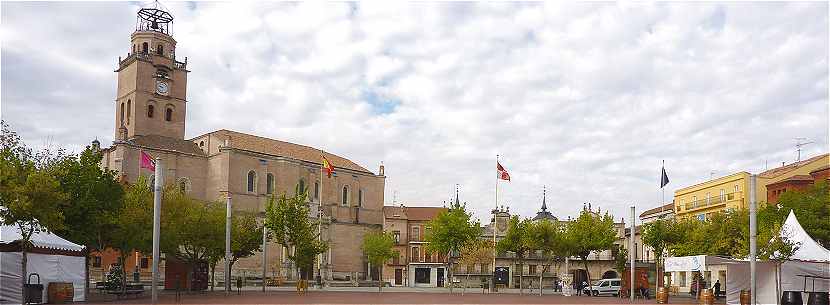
<point x="162" y="142"/>
<point x="667" y="207"/>
<point x="412" y="213"/>
<point x="775" y="172"/>
<point x="285" y="149"/>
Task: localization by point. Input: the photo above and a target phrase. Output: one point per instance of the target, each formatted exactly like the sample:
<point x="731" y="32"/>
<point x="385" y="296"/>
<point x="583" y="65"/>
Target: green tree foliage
<point x="660" y="235"/>
<point x="812" y="207"/>
<point x="246" y="240"/>
<point x="287" y="219"/>
<point x="29" y="195"/>
<point x="519" y="240"/>
<point x="590" y="233"/>
<point x="94" y="196"/>
<point x="620" y="258"/>
<point x="474" y="252"/>
<point x="133" y="223"/>
<point x="451" y="230"/>
<point x="377" y="246"/>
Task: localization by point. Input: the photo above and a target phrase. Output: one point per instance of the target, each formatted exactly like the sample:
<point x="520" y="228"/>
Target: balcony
<point x="714" y="201"/>
<point x="148" y="58"/>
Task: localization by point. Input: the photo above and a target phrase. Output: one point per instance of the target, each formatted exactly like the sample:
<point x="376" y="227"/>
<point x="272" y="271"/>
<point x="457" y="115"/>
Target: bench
<point x="136" y="290"/>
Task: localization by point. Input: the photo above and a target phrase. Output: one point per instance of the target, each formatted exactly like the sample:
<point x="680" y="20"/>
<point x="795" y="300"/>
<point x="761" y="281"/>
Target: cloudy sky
<point x="584" y="98"/>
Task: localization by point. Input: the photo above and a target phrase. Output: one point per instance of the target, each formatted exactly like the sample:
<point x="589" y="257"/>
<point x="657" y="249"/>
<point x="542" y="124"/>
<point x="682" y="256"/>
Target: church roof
<point x="285" y="149"/>
<point x="167" y="143"/>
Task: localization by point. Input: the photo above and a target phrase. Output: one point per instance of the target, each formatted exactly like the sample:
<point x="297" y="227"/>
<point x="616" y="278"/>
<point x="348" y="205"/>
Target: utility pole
<point x="228" y="244"/>
<point x="753" y="238"/>
<point x="631" y="253"/>
<point x="157" y="188"/>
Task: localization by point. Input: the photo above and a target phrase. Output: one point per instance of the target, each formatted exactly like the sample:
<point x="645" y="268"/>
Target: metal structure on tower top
<point x="156" y="19"/>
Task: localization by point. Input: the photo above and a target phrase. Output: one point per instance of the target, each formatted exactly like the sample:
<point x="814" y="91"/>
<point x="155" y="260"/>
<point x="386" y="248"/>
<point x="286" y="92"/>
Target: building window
<point x="168" y="114"/>
<point x="416" y="255"/>
<point x="121" y="115"/>
<point x="145" y="47"/>
<point x="160" y="50"/>
<point x="145" y="262"/>
<point x="251" y="181"/>
<point x="682" y="277"/>
<point x="201" y="143"/>
<point x="531" y="269"/>
<point x="416" y="233"/>
<point x="722" y="195"/>
<point x="707" y="198"/>
<point x="360" y="197"/>
<point x="345" y="198"/>
<point x="150" y="111"/>
<point x="737" y="188"/>
<point x="317" y="191"/>
<point x="96" y="261"/>
<point x="184" y="185"/>
<point x="396" y="259"/>
<point x="129" y="111"/>
<point x="301" y="186"/>
<point x="397" y="235"/>
<point x="269" y="183"/>
<point x="485" y="268"/>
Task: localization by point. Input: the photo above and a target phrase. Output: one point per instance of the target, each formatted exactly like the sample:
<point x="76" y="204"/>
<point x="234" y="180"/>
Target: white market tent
<point x="809" y="259"/>
<point x="53" y="258"/>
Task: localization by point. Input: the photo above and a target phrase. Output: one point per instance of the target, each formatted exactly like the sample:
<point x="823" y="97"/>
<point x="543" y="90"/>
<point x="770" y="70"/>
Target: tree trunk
<point x="380" y="277"/>
<point x="540" y="279"/>
<point x="521" y="272"/>
<point x="588" y="274"/>
<point x="123" y="272"/>
<point x="449" y="271"/>
<point x="212" y="276"/>
<point x="24" y="278"/>
<point x="466" y="281"/>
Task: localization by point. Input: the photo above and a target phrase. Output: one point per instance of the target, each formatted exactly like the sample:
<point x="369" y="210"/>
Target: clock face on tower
<point x="162" y="87"/>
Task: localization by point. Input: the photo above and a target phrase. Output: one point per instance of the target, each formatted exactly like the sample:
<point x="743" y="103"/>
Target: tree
<point x="29" y="196"/>
<point x="191" y="229"/>
<point x="590" y="232"/>
<point x="659" y="235"/>
<point x="377" y="246"/>
<point x="519" y="241"/>
<point x="246" y="240"/>
<point x="288" y="220"/>
<point x="133" y="223"/>
<point x="474" y="252"/>
<point x="548" y="237"/>
<point x="812" y="206"/>
<point x="451" y="230"/>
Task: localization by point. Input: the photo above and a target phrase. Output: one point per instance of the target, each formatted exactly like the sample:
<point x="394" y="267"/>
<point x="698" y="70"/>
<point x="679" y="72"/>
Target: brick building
<point x="414" y="266"/>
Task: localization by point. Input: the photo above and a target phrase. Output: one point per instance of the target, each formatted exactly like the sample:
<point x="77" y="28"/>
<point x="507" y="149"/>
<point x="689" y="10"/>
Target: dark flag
<point x="664" y="179"/>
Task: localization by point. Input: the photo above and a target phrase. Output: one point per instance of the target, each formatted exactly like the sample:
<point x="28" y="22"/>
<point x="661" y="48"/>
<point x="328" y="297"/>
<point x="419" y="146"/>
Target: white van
<point x="605" y="286"/>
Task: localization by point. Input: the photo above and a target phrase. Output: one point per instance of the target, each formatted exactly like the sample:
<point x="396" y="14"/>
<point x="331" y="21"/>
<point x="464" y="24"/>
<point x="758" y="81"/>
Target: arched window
<point x="121" y="114"/>
<point x="301" y="186"/>
<point x="129" y="106"/>
<point x="144" y="47"/>
<point x="201" y="143"/>
<point x="360" y="197"/>
<point x="251" y="181"/>
<point x="184" y="185"/>
<point x="150" y="110"/>
<point x="168" y="114"/>
<point x="345" y="201"/>
<point x="269" y="183"/>
<point x="317" y="190"/>
<point x="160" y="50"/>
<point x="133" y="48"/>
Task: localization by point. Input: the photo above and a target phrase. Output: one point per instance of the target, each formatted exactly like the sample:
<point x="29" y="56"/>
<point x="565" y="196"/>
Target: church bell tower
<point x="152" y="84"/>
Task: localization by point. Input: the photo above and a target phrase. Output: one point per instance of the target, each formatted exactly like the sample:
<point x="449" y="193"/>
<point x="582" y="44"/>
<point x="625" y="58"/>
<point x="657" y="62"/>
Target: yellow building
<point x="699" y="201"/>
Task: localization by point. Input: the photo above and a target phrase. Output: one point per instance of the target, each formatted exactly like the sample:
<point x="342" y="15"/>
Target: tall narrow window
<point x="269" y="181"/>
<point x="317" y="191"/>
<point x="129" y="111"/>
<point x="301" y="186"/>
<point x="144" y="48"/>
<point x="121" y="115"/>
<point x="251" y="181"/>
<point x="360" y="197"/>
<point x="150" y="111"/>
<point x="345" y="201"/>
<point x="160" y="50"/>
<point x="168" y="114"/>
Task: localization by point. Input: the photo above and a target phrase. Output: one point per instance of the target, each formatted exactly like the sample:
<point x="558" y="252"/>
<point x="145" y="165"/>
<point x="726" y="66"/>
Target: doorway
<point x="398" y="277"/>
<point x="440" y="275"/>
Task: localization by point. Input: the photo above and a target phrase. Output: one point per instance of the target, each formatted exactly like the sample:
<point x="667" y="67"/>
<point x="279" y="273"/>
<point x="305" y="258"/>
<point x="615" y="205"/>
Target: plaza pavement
<point x="369" y="295"/>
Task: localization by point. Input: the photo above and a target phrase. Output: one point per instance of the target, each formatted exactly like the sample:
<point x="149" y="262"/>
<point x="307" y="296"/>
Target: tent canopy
<point x="46" y="240"/>
<point x="808" y="249"/>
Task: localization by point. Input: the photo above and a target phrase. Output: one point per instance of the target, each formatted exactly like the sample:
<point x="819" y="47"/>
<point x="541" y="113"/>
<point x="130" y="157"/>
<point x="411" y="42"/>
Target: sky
<point x="583" y="99"/>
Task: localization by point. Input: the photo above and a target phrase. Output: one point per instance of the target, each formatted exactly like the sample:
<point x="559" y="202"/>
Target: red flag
<point x="503" y="175"/>
<point x="327" y="166"/>
<point x="147" y="162"/>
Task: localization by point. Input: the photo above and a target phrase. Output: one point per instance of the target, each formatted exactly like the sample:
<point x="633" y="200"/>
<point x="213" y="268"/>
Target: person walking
<point x="717" y="288"/>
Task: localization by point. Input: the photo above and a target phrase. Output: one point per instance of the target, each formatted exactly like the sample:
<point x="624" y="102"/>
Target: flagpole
<point x="662" y="203"/>
<point x="157" y="185"/>
<point x="495" y="214"/>
<point x="320" y="224"/>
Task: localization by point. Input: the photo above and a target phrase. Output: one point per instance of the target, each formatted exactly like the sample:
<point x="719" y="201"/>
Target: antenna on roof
<point x="798" y="145"/>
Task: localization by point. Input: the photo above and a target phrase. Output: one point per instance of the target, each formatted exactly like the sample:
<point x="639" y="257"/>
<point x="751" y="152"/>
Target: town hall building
<point x="150" y="114"/>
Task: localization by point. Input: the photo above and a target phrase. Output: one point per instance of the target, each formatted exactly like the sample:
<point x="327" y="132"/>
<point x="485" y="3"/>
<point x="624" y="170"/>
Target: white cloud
<point x="585" y="98"/>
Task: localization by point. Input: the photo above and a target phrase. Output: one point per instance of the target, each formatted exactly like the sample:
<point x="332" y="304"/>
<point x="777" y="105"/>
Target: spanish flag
<point x="327" y="166"/>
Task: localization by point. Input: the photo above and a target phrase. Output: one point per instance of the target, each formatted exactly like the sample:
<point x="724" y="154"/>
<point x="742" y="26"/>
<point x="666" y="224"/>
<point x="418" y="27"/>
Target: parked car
<point x="604" y="286"/>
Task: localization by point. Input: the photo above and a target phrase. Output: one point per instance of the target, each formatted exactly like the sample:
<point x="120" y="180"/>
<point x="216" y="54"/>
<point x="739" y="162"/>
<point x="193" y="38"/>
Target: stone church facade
<point x="150" y="114"/>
